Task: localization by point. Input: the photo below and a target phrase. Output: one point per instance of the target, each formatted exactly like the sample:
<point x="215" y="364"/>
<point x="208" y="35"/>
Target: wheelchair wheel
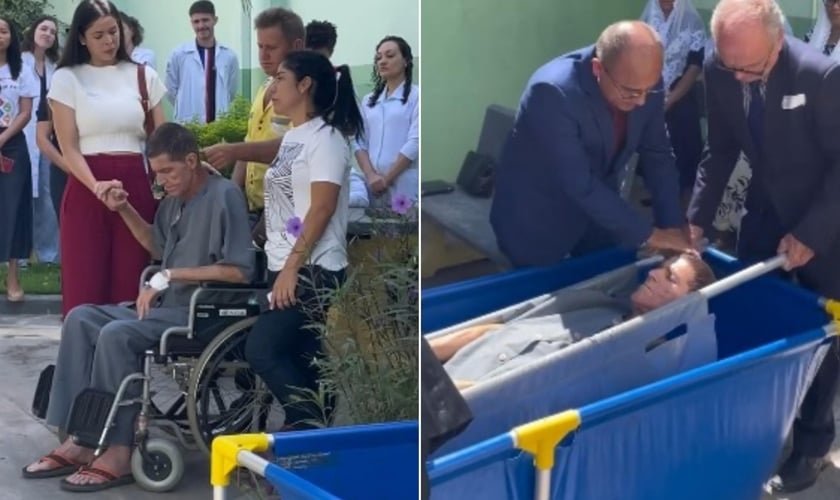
<point x="224" y="395"/>
<point x="162" y="468"/>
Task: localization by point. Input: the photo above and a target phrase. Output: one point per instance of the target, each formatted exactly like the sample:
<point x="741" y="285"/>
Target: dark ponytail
<point x="379" y="83"/>
<point x="333" y="95"/>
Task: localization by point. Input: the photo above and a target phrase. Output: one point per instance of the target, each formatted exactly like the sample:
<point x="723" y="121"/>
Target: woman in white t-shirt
<point x="99" y="116"/>
<point x="306" y="206"/>
<point x="17" y="89"/>
<point x="389" y="157"/>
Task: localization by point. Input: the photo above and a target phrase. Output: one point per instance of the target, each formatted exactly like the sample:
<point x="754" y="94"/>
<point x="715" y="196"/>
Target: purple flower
<point x="294" y="226"/>
<point x="400" y="204"/>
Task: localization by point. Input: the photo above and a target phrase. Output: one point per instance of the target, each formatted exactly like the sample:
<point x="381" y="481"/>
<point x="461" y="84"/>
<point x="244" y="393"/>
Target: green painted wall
<point x="480" y="52"/>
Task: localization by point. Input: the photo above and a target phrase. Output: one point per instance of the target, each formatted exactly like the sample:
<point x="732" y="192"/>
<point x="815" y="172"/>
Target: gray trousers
<point x="100" y="346"/>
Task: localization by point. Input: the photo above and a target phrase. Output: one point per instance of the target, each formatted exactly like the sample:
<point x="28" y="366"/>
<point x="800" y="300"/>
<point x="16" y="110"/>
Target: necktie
<point x="755" y="116"/>
<point x="209" y="97"/>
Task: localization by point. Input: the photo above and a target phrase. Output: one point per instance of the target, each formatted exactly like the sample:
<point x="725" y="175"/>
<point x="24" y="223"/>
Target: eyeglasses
<point x="630" y="94"/>
<point x="747" y="71"/>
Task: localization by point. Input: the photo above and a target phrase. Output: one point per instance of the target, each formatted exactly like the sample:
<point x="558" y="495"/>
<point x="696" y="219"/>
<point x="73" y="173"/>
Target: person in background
<point x="133" y="36"/>
<point x="775" y="98"/>
<point x="684" y="38"/>
<point x="321" y="36"/>
<point x="389" y="156"/>
<point x="581" y="117"/>
<point x="40" y="55"/>
<point x="306" y="214"/>
<point x="99" y="120"/>
<point x="17" y="90"/>
<point x="48" y="146"/>
<point x="202" y="76"/>
<point x="826" y="31"/>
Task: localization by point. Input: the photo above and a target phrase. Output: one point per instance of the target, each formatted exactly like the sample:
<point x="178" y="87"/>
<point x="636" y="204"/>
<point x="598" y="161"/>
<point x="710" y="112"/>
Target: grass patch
<point x="36" y="279"/>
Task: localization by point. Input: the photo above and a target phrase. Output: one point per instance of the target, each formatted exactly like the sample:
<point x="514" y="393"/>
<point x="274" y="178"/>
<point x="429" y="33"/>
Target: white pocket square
<point x="793" y="101"/>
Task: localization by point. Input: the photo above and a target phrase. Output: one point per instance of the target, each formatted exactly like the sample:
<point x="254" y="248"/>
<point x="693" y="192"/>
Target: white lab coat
<point x="393" y="128"/>
<point x="185" y="81"/>
<point x="30" y="129"/>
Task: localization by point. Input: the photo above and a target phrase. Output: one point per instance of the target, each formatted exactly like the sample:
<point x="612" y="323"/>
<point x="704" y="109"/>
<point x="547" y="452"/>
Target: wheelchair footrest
<point x="42" y="392"/>
<point x="88" y="416"/>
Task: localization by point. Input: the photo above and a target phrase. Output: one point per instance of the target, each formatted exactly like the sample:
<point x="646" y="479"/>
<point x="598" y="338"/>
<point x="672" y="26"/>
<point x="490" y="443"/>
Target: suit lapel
<point x="778" y="85"/>
<point x="596" y="102"/>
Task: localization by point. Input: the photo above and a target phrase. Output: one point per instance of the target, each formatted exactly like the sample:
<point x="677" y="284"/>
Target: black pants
<point x="58" y="181"/>
<point x="758" y="239"/>
<point x="282" y="344"/>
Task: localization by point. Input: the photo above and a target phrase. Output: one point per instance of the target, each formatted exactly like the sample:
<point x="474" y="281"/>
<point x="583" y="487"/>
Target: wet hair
<point x="379" y="83"/>
<point x="703" y="274"/>
<point x="88" y="12"/>
<point x="172" y="139"/>
<point x="203" y="7"/>
<point x="13" y="53"/>
<point x="289" y="23"/>
<point x="321" y="35"/>
<point x="618" y="38"/>
<point x="333" y="95"/>
<point x="137" y="30"/>
<point x="28" y="42"/>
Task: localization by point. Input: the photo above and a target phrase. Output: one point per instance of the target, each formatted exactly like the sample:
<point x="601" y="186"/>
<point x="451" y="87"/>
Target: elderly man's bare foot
<point x="112" y="468"/>
<point x="65" y="459"/>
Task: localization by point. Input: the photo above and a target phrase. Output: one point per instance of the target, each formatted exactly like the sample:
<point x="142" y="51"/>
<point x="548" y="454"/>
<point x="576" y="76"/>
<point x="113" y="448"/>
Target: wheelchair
<point x="212" y="389"/>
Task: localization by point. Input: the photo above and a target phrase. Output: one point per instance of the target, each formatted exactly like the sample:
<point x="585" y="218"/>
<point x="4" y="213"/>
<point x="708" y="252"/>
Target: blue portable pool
<point x="708" y="430"/>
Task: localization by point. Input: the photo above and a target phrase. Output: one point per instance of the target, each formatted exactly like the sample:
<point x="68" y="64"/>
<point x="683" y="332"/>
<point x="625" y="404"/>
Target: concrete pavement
<point x="27" y="344"/>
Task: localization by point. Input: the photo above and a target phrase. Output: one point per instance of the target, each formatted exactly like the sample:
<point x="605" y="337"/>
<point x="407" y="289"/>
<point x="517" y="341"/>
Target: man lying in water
<point x="483" y="351"/>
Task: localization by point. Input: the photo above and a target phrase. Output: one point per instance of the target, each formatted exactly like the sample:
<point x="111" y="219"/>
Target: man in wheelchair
<point x="200" y="234"/>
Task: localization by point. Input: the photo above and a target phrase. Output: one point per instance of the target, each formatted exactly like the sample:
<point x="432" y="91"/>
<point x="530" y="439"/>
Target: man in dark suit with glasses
<point x="580" y="119"/>
<point x="778" y="100"/>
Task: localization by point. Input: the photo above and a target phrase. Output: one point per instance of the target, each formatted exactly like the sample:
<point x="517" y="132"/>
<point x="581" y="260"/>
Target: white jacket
<point x="29" y="129"/>
<point x="185" y="81"/>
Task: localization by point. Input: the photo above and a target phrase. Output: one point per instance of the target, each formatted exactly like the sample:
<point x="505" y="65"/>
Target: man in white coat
<point x="202" y="76"/>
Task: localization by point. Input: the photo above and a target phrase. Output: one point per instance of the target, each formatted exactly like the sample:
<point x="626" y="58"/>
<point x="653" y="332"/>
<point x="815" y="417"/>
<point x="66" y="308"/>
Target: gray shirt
<point x="211" y="228"/>
<point x="524" y="340"/>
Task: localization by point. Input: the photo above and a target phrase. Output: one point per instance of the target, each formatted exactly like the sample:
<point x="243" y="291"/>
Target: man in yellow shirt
<point x="279" y="31"/>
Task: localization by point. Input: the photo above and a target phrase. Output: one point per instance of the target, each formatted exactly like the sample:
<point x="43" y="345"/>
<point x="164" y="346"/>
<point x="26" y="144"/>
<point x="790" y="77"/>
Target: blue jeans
<point x="45" y="239"/>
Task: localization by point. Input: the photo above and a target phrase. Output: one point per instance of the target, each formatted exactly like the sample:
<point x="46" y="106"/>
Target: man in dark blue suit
<point x="580" y="119"/>
<point x="778" y="100"/>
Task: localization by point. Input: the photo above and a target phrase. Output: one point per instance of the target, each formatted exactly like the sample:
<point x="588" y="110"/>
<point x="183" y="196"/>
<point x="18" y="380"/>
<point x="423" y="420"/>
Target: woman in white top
<point x="389" y="155"/>
<point x="133" y="36"/>
<point x="99" y="116"/>
<point x="40" y="55"/>
<point x="306" y="207"/>
<point x="684" y="38"/>
<point x="17" y="89"/>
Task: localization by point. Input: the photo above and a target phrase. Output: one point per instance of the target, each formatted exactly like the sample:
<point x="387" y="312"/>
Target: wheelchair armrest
<point x="217" y="285"/>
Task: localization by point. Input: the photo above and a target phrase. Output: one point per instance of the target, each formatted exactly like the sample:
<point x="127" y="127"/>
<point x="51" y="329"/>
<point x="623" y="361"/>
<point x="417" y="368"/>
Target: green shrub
<point x="229" y="127"/>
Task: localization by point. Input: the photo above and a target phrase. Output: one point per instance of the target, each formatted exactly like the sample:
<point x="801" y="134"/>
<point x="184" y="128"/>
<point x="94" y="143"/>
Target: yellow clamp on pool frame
<point x="224" y="450"/>
<point x="832" y="307"/>
<point x="541" y="437"/>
